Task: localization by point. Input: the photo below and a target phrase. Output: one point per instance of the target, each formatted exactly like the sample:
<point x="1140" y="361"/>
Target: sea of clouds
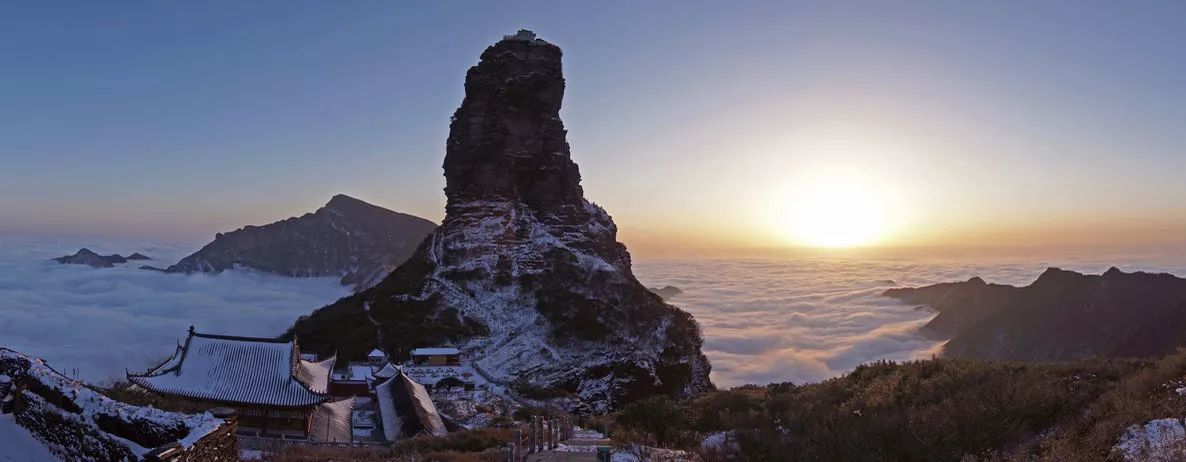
<point x="809" y="319"/>
<point x="764" y="320"/>
<point x="95" y="322"/>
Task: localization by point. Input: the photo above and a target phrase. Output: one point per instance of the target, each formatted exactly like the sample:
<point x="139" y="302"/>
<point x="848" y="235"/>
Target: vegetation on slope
<point x="935" y="410"/>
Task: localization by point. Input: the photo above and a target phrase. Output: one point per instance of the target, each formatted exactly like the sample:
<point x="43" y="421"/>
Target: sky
<point x="700" y="126"/>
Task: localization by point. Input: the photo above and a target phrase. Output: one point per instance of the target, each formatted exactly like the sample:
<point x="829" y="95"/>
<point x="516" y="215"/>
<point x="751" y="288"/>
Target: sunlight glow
<point x="836" y="210"/>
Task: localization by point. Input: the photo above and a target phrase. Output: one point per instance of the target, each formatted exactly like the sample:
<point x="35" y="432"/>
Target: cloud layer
<point x="805" y="320"/>
<point x="99" y="321"/>
<point x="764" y="320"/>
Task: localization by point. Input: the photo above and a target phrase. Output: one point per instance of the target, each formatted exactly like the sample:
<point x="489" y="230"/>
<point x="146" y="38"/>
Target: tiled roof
<point x="315" y="375"/>
<point x="240" y="370"/>
<point x="331" y="422"/>
<point x="407" y="410"/>
<point x="387" y="371"/>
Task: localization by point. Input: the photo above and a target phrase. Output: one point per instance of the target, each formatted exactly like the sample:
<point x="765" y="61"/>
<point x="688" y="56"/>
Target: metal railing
<point x="541" y="434"/>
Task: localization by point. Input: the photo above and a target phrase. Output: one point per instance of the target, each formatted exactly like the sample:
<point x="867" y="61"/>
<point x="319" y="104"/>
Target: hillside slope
<point x="348" y="238"/>
<point x="1062" y="315"/>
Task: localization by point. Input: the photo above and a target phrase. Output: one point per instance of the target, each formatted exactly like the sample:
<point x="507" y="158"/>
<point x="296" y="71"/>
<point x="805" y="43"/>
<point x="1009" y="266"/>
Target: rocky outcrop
<point x="524" y="274"/>
<point x="1063" y="315"/>
<point x="87" y="257"/>
<point x="78" y="423"/>
<point x="348" y="238"/>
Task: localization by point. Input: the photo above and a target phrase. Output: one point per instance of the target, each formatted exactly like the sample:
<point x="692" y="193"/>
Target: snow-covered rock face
<point x="78" y="423"/>
<point x="524" y="273"/>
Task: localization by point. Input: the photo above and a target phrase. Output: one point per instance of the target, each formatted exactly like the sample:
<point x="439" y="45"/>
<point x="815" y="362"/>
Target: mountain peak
<point x="342" y="201"/>
<point x="85" y="256"/>
<point x="525" y="275"/>
<point x="1055" y="274"/>
<point x="348" y="238"/>
<point x="506" y="141"/>
<point x="523" y="35"/>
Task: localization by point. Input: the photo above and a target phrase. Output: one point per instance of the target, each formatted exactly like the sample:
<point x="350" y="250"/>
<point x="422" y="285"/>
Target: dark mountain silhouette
<point x="667" y="292"/>
<point x="1062" y="315"/>
<point x="524" y="274"/>
<point x="347" y="237"/>
<point x="85" y="256"/>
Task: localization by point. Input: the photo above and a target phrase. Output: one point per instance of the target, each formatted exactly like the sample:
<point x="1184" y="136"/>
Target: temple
<point x="275" y="391"/>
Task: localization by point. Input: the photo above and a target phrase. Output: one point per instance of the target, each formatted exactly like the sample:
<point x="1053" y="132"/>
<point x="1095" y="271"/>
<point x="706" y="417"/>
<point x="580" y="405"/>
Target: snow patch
<point x="18" y="445"/>
<point x="1156" y="440"/>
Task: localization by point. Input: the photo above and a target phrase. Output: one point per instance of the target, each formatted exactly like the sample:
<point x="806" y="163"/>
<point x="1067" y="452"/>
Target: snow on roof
<point x="407" y="410"/>
<point x="315" y="375"/>
<point x="387" y="371"/>
<point x="240" y="370"/>
<point x="436" y="351"/>
<point x="425" y="409"/>
<point x="392" y="424"/>
<point x="331" y="422"/>
<point x="169" y="363"/>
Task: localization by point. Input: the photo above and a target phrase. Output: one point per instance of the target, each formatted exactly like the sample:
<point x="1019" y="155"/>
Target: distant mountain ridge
<point x="348" y="238"/>
<point x="1062" y="315"/>
<point x="667" y="292"/>
<point x="86" y="256"/>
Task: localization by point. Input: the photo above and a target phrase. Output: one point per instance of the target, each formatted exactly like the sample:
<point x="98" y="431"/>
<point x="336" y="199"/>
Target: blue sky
<point x="691" y="121"/>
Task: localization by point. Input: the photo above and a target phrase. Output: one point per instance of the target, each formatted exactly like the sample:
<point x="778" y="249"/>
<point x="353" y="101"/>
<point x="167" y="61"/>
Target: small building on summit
<point x="275" y="390"/>
<point x="436" y="357"/>
<point x="376" y="358"/>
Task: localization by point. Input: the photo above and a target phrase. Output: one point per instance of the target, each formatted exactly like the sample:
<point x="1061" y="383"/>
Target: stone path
<point x="582" y="447"/>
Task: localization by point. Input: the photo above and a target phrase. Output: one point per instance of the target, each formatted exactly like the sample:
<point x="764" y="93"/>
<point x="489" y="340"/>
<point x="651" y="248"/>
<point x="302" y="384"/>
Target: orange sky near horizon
<point x="702" y="128"/>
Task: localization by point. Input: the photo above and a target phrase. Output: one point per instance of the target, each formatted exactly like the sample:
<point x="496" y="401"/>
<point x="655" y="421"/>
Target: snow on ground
<point x="430" y="375"/>
<point x="1155" y="441"/>
<point x="17" y="445"/>
<point x="715" y="440"/>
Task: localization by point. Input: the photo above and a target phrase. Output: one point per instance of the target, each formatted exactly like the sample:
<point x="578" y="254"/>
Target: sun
<point x="836" y="210"/>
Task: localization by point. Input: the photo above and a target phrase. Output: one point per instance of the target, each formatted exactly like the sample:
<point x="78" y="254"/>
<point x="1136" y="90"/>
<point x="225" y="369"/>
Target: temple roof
<point x="240" y="370"/>
<point x="406" y="409"/>
<point x="331" y="421"/>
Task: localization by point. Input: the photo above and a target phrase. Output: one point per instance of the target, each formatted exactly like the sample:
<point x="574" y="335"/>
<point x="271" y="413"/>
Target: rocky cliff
<point x="524" y="274"/>
<point x="78" y="423"/>
<point x="349" y="238"/>
<point x="1062" y="315"/>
